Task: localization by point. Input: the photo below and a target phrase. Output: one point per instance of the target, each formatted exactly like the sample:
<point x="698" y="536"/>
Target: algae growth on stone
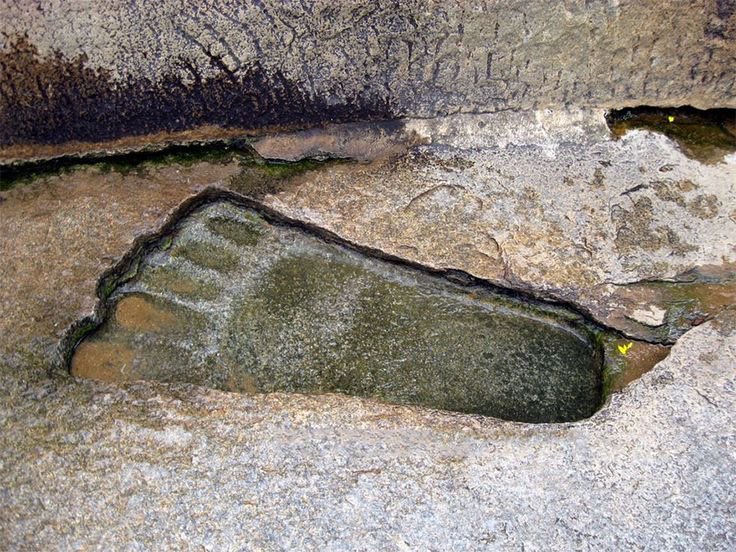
<point x="706" y="135"/>
<point x="237" y="303"/>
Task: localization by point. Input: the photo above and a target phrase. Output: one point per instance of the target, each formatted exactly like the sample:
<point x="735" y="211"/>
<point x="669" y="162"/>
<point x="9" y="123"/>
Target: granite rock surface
<point x="546" y="202"/>
<point x="129" y="75"/>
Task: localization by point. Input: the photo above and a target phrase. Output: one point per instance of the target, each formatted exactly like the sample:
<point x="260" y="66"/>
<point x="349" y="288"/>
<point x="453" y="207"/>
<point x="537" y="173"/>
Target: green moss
<point x="614" y="364"/>
<point x="207" y="255"/>
<point x="81" y="331"/>
<point x="166" y="243"/>
<point x="132" y="271"/>
<point x="185" y="156"/>
<point x="295" y="314"/>
<point x="257" y="180"/>
<point x="108" y="287"/>
<point x="113" y="281"/>
<point x="295" y="281"/>
<point x="339" y="328"/>
<point x="10" y="177"/>
<point x="128" y="163"/>
<point x="241" y="233"/>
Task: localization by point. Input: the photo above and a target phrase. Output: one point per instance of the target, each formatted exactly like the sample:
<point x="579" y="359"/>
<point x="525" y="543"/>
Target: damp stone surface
<point x="234" y="302"/>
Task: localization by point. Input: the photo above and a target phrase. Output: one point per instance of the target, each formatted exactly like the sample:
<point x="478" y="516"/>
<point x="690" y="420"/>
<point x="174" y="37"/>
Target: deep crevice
<point x="705" y="135"/>
<point x="216" y="150"/>
<point x="687" y="112"/>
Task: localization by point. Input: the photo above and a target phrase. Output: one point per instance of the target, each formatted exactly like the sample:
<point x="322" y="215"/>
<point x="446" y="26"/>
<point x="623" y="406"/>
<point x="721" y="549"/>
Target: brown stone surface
<point x="139" y="314"/>
<point x="105" y="362"/>
<point x="640" y="357"/>
<point x="528" y="204"/>
<point x="87" y="464"/>
<point x="58" y="234"/>
<point x="482" y="210"/>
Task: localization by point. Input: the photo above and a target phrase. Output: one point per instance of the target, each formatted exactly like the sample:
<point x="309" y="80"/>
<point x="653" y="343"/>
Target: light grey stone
<point x="653" y="316"/>
<point x="151" y="466"/>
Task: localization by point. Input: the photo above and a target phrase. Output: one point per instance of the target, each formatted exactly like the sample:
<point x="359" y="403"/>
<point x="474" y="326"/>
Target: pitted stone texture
<point x="236" y="303"/>
<point x="58" y="234"/>
<point x="562" y="208"/>
<point x="253" y="64"/>
<point x="544" y="201"/>
<point x="154" y="466"/>
<point x="86" y="465"/>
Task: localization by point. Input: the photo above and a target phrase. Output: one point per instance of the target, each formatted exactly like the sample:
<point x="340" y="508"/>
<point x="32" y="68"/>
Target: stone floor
<point x="546" y="202"/>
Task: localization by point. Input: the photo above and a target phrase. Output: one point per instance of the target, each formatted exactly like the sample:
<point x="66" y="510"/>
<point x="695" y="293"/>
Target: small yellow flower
<point x="671" y="118"/>
<point x="623" y="349"/>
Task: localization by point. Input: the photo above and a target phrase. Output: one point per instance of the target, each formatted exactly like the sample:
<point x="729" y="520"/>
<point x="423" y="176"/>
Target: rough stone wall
<point x="83" y="71"/>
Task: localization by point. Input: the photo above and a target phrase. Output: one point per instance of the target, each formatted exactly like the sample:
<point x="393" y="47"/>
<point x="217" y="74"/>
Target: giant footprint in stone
<point x="231" y="300"/>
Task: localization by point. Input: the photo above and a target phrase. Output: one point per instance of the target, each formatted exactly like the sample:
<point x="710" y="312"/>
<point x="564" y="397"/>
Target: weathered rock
<point x="161" y="465"/>
<point x="355" y="141"/>
<point x="59" y="233"/>
<point x="75" y="79"/>
<point x="151" y="466"/>
<point x="653" y="316"/>
<point x="548" y="202"/>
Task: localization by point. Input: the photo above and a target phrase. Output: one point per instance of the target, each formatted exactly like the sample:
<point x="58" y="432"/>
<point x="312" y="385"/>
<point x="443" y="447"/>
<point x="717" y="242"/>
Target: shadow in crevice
<point x="704" y="135"/>
<point x="217" y="151"/>
<point x="53" y="100"/>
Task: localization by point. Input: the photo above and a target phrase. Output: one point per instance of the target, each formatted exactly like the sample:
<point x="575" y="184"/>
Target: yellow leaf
<point x="671" y="118"/>
<point x="623" y="349"/>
